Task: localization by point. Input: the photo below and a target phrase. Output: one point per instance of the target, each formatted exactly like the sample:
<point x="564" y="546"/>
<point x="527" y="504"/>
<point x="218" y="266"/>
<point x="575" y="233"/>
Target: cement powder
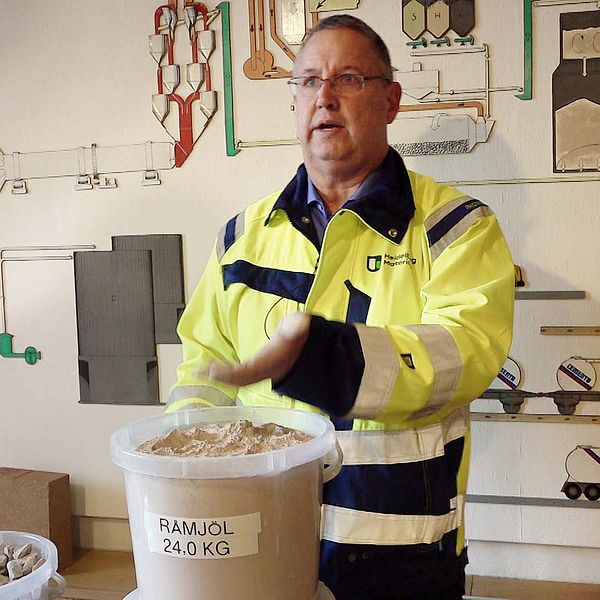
<point x="224" y="439"/>
<point x="286" y="564"/>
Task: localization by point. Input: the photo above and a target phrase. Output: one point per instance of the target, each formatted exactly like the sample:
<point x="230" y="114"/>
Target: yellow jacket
<point x="414" y="289"/>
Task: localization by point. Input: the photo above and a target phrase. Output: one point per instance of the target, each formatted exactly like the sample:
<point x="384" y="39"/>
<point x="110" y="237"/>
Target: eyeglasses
<point x="344" y="84"/>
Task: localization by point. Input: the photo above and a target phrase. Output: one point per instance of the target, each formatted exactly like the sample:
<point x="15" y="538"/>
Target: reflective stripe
<point x="402" y="446"/>
<point x="202" y="392"/>
<point x="287" y="284"/>
<point x="446" y="362"/>
<point x="229" y="233"/>
<point x="379" y="376"/>
<point x="451" y="221"/>
<point x="347" y="526"/>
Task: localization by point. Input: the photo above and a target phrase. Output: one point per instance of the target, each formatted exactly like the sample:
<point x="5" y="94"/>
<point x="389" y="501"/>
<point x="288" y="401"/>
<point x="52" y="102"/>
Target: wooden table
<point x="99" y="575"/>
<point x="106" y="575"/>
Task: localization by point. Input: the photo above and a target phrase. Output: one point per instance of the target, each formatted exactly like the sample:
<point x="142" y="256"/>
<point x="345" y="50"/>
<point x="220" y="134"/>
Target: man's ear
<point x="393" y="98"/>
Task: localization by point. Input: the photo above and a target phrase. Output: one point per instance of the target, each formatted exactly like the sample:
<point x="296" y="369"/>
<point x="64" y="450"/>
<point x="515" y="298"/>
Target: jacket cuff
<point x="329" y="370"/>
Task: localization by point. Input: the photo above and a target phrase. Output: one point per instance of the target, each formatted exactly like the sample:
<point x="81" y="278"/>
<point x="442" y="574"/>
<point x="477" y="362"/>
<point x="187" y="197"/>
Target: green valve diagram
<point x="31" y="355"/>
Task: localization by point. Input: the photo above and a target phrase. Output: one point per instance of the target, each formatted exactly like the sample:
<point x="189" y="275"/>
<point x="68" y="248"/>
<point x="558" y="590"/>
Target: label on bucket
<point x="220" y="537"/>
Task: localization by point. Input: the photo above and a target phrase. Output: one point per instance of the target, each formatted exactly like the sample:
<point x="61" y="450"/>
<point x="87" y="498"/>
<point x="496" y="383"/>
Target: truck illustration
<point x="582" y="465"/>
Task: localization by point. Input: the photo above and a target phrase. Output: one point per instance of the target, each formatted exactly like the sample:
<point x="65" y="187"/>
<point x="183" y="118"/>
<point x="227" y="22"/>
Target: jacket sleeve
<point x="204" y="339"/>
<point x="447" y="360"/>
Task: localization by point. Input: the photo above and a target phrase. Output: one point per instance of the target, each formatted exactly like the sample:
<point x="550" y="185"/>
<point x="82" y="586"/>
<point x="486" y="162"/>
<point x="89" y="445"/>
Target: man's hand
<point x="274" y="361"/>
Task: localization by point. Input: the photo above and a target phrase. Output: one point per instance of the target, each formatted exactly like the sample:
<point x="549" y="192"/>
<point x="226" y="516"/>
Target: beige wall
<point x="76" y="73"/>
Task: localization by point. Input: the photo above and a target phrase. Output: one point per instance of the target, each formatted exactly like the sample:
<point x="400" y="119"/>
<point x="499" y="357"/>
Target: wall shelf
<point x="525" y="501"/>
<point x="534" y="418"/>
<point x="550" y="295"/>
<point x="566" y="402"/>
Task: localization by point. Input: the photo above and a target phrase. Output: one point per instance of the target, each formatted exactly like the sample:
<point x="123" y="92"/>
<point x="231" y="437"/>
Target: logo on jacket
<point x="374" y="263"/>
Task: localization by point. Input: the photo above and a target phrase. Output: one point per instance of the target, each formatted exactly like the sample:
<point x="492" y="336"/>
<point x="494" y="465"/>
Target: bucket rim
<point x="124" y="455"/>
<point x="17" y="588"/>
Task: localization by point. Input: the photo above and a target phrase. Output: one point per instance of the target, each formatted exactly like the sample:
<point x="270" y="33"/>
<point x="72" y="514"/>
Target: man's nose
<point x="326" y="96"/>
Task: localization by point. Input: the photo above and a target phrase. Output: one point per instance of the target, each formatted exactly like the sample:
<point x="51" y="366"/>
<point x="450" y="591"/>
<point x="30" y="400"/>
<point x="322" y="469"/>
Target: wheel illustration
<point x="592" y="491"/>
<point x="572" y="491"/>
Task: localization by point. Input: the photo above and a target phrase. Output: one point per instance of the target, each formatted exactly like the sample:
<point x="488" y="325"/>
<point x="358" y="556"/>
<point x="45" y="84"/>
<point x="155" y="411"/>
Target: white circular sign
<point x="576" y="375"/>
<point x="509" y="377"/>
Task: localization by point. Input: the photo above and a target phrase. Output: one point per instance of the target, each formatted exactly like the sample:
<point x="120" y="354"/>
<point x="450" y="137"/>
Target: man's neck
<point x="335" y="193"/>
<point x="336" y="187"/>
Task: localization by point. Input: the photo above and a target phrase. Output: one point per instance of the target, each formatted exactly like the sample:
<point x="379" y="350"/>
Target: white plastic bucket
<point x="230" y="527"/>
<point x="35" y="585"/>
<point x="323" y="593"/>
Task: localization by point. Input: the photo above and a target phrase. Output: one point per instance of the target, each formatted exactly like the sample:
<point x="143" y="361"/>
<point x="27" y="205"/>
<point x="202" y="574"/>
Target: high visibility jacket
<point x="412" y="292"/>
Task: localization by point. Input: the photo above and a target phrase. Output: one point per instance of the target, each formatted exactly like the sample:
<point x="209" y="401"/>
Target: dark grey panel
<point x="118" y="380"/>
<point x="115" y="311"/>
<point x="115" y="323"/>
<point x="167" y="278"/>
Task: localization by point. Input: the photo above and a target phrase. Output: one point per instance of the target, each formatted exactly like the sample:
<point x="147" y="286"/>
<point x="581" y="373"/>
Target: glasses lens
<point x="347" y="83"/>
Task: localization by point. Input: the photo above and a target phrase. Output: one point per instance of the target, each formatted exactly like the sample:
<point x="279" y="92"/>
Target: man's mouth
<point x="327" y="125"/>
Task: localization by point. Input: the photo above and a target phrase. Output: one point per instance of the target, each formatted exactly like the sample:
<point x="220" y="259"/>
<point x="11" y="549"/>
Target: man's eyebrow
<point x="344" y="69"/>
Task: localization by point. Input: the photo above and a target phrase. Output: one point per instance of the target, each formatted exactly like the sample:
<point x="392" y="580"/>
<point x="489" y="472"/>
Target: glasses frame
<point x="364" y="79"/>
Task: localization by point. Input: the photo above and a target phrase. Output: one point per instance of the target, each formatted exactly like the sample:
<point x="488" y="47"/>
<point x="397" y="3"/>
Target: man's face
<point x="343" y="134"/>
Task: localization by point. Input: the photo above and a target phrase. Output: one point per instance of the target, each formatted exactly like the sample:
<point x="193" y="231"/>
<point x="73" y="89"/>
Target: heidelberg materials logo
<point x="374" y="263"/>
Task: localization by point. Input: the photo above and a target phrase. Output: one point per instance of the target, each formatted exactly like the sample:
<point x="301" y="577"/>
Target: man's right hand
<point x="274" y="361"/>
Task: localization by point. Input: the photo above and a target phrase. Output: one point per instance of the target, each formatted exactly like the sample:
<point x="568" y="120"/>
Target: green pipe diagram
<point x="223" y="7"/>
<point x="31" y="355"/>
<point x="527" y="50"/>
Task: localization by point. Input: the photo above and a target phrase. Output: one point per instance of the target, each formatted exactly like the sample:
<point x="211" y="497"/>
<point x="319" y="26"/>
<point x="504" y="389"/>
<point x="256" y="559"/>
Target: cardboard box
<point x="38" y="502"/>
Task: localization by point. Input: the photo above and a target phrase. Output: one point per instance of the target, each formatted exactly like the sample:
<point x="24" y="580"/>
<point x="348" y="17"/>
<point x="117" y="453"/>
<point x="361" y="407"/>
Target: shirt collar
<point x="384" y="200"/>
<point x="313" y="196"/>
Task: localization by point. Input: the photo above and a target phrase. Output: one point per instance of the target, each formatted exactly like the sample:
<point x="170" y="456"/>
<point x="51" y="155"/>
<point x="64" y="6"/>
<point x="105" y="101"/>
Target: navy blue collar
<point x="387" y="206"/>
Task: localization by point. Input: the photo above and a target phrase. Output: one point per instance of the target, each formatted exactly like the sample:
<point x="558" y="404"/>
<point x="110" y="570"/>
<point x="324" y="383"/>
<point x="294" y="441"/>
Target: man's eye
<point x="311" y="82"/>
<point x="347" y="79"/>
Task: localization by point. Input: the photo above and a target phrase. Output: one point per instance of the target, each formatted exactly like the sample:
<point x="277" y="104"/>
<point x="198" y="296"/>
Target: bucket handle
<point x="335" y="463"/>
<point x="57" y="592"/>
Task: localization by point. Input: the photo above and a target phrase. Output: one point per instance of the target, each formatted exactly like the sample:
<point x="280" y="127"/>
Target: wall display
<point x="448" y="121"/>
<point x="322" y="5"/>
<point x="566" y="401"/>
<point x="167" y="279"/>
<point x="31" y="355"/>
<point x="115" y="327"/>
<point x="582" y="465"/>
<point x="196" y="101"/>
<point x="293" y="25"/>
<point x="576" y="94"/>
<point x="128" y="300"/>
<point x="88" y="165"/>
<point x="577" y="377"/>
<point x="292" y="13"/>
<point x="261" y="64"/>
<point x="183" y="81"/>
<point x="437" y="17"/>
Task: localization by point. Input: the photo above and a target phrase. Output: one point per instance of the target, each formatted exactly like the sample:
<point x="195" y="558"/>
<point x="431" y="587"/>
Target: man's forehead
<point x="309" y="69"/>
<point x="351" y="51"/>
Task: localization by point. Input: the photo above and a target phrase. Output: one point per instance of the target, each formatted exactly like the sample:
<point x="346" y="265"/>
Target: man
<point x="374" y="295"/>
